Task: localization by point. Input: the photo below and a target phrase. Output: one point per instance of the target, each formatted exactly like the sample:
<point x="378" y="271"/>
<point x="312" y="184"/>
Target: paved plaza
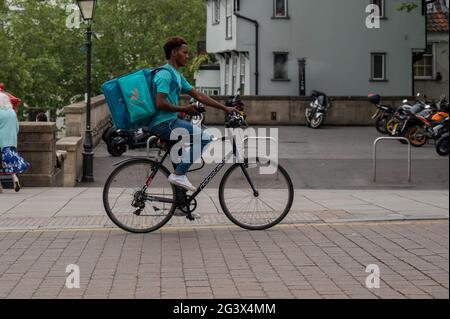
<point x="321" y="250"/>
<point x="345" y="236"/>
<point x="290" y="261"/>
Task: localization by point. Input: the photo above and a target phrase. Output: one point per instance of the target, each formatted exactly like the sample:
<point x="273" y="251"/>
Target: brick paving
<point x="66" y="208"/>
<point x="289" y="261"/>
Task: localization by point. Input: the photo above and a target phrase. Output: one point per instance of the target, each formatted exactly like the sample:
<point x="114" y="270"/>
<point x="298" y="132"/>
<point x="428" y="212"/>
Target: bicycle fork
<point x="249" y="180"/>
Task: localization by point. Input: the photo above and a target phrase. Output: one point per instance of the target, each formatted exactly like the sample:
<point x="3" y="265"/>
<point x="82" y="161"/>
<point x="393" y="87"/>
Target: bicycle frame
<point x="203" y="184"/>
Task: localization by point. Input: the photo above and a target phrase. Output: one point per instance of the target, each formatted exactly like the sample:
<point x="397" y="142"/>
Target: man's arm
<point x="163" y="104"/>
<point x="205" y="99"/>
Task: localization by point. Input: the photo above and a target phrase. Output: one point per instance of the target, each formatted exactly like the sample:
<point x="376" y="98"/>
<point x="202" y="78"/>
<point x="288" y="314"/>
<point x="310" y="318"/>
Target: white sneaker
<point x="181" y="181"/>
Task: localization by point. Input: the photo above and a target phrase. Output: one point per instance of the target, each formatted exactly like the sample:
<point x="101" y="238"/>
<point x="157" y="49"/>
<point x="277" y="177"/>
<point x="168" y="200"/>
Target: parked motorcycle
<point x="404" y="118"/>
<point x="427" y="124"/>
<point x="316" y="112"/>
<point x="235" y="120"/>
<point x="383" y="114"/>
<point x="442" y="145"/>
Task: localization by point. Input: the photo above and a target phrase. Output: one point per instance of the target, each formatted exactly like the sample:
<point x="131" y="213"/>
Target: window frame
<point x="286" y="10"/>
<point x="215" y="12"/>
<point x="274" y="78"/>
<point x="433" y="64"/>
<point x="372" y="68"/>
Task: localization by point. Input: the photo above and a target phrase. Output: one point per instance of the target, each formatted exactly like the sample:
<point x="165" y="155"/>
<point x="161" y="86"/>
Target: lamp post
<point x="87" y="9"/>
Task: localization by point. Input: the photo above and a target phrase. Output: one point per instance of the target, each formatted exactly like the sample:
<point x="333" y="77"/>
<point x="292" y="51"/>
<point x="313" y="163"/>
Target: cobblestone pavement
<point x="289" y="261"/>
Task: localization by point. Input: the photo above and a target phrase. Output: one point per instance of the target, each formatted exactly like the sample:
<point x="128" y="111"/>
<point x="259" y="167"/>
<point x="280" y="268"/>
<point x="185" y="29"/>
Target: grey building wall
<point x="332" y="36"/>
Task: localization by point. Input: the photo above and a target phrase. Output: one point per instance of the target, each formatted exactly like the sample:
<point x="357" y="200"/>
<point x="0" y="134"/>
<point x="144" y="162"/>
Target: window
<point x="227" y="75"/>
<point x="211" y="91"/>
<point x="378" y="67"/>
<point x="229" y="29"/>
<point x="280" y="9"/>
<point x="280" y="66"/>
<point x="424" y="67"/>
<point x="216" y="12"/>
<point x="382" y="5"/>
<point x="242" y="76"/>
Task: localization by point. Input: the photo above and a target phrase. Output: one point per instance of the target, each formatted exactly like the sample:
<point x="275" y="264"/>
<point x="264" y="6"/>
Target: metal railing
<point x="375" y="143"/>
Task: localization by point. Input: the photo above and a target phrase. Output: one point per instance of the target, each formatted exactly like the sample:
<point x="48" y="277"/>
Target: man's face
<point x="182" y="55"/>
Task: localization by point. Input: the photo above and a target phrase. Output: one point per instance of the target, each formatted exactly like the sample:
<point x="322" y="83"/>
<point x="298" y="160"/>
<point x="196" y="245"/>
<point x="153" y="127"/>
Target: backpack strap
<point x="174" y="85"/>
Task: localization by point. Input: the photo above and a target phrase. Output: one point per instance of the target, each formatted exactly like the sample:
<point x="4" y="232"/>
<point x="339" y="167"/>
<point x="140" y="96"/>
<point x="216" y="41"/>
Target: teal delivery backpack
<point x="131" y="98"/>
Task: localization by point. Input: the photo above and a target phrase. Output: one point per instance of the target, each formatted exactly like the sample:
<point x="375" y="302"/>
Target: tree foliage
<point x="43" y="61"/>
<point x="407" y="6"/>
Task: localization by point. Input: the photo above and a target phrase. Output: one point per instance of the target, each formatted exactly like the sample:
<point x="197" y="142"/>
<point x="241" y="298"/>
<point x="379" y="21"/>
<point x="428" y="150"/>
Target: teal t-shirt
<point x="164" y="84"/>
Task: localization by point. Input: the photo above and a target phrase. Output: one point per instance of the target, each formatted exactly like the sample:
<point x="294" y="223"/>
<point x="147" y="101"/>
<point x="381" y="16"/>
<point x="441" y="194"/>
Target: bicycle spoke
<point x="240" y="204"/>
<point x="131" y="208"/>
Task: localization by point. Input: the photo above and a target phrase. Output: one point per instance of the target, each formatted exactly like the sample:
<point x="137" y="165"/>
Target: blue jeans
<point x="164" y="130"/>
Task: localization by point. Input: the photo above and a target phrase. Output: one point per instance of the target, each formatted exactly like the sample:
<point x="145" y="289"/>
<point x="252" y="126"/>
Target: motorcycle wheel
<point x="317" y="122"/>
<point x="415" y="137"/>
<point x="308" y="112"/>
<point x="381" y="125"/>
<point x="390" y="127"/>
<point x="442" y="146"/>
<point x="116" y="149"/>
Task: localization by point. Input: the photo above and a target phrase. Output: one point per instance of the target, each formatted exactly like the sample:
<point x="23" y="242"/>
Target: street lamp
<point x="87" y="8"/>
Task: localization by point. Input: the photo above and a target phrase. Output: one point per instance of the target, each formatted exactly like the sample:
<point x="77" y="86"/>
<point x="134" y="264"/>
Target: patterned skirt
<point x="12" y="162"/>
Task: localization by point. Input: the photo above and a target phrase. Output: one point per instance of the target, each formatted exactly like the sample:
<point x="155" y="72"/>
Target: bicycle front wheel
<point x="133" y="202"/>
<point x="254" y="196"/>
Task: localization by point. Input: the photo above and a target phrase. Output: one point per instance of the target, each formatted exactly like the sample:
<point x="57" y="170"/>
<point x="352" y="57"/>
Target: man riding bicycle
<point x="167" y="100"/>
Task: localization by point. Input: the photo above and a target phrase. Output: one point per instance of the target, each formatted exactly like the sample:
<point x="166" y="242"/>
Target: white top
<point x="5" y="102"/>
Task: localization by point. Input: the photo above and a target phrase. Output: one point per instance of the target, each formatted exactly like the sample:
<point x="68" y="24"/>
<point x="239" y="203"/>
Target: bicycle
<point x="138" y="197"/>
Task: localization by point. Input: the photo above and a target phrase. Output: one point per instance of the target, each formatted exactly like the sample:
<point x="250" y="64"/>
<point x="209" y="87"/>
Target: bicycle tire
<point x="229" y="214"/>
<point x="106" y="191"/>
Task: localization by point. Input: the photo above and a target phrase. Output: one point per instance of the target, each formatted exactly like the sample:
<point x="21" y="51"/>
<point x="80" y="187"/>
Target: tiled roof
<point x="437" y="21"/>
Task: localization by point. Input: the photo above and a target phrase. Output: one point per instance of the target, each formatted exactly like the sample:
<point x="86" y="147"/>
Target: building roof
<point x="437" y="15"/>
<point x="437" y="21"/>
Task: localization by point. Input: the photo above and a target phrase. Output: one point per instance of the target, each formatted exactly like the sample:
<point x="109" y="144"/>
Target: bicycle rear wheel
<point x="126" y="196"/>
<point x="258" y="209"/>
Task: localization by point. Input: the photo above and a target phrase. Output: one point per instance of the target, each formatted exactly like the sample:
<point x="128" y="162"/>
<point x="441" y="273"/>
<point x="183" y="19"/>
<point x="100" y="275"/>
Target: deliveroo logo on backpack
<point x="135" y="98"/>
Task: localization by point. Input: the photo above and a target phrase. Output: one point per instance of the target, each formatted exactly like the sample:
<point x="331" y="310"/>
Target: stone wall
<point x="37" y="144"/>
<point x="75" y="118"/>
<point x="73" y="165"/>
<point x="280" y="110"/>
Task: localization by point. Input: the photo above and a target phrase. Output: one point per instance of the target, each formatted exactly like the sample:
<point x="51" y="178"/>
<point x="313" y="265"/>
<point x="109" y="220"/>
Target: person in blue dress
<point x="11" y="162"/>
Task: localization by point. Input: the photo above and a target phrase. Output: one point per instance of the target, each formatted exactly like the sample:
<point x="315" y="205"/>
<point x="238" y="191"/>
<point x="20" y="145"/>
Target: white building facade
<point x="289" y="47"/>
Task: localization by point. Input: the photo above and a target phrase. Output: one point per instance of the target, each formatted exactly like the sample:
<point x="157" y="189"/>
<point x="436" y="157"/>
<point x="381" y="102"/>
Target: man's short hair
<point x="172" y="44"/>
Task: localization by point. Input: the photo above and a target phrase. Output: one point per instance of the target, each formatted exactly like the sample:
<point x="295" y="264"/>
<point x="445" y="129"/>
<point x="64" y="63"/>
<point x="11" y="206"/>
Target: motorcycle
<point x="428" y="123"/>
<point x="316" y="113"/>
<point x="404" y="118"/>
<point x="238" y="119"/>
<point x="442" y="145"/>
<point x="383" y="114"/>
